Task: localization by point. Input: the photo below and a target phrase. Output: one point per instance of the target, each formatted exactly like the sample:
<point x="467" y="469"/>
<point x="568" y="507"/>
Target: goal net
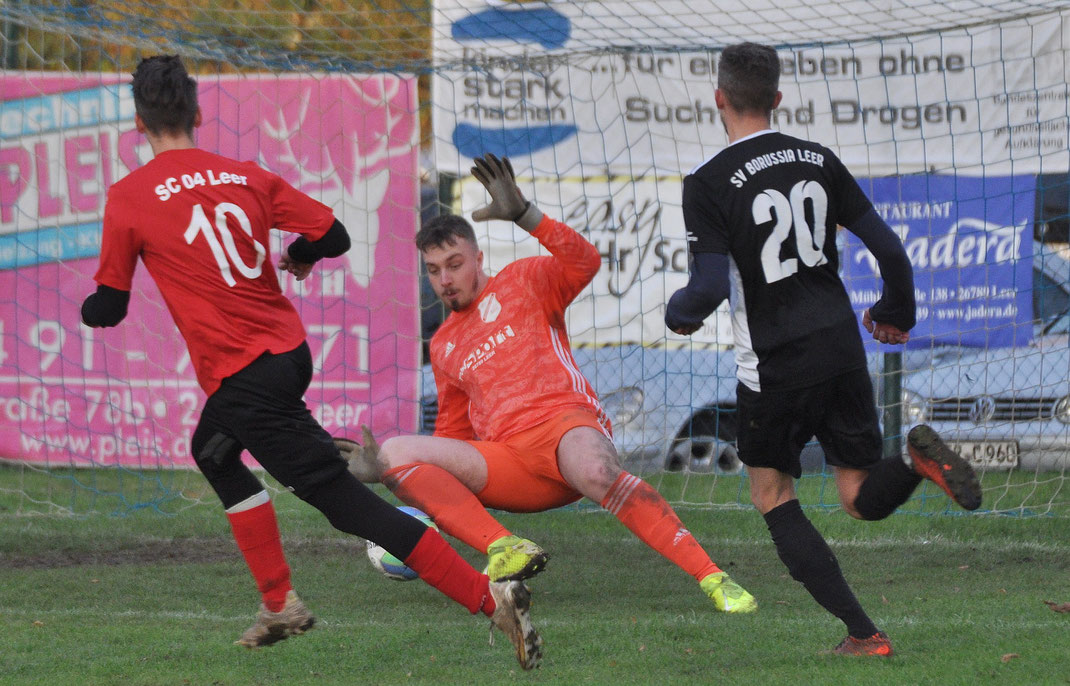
<point x="952" y="115"/>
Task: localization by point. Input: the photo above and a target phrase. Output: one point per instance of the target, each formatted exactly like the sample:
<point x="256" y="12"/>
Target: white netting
<point x="954" y="115"/>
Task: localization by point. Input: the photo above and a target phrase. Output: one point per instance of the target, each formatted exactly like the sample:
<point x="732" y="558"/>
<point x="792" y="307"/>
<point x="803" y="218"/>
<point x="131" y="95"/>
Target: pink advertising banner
<point x="71" y="395"/>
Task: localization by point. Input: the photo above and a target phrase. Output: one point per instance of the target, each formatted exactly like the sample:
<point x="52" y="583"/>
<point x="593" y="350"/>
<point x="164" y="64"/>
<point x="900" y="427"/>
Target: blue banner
<point x="66" y="110"/>
<point x="52" y="244"/>
<point x="970" y="241"/>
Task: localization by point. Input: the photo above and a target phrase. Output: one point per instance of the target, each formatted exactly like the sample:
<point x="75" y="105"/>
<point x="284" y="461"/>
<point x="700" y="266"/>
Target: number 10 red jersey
<point x="200" y="224"/>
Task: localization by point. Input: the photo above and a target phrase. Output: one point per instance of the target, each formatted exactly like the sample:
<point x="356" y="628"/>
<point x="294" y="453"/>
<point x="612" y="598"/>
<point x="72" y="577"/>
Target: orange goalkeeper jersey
<point x="503" y="364"/>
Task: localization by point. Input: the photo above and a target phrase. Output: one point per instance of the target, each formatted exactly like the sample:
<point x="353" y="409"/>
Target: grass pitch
<point x="151" y="598"/>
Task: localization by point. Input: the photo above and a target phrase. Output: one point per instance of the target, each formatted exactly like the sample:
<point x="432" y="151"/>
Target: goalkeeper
<point x="248" y="348"/>
<point x="761" y="219"/>
<point x="519" y="428"/>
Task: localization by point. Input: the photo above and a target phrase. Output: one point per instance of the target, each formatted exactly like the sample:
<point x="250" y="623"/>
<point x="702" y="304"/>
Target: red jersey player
<point x="519" y="428"/>
<point x="205" y="243"/>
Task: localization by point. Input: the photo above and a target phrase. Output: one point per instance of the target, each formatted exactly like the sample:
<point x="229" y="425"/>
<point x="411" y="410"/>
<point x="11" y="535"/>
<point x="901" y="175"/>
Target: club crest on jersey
<point x="489" y="308"/>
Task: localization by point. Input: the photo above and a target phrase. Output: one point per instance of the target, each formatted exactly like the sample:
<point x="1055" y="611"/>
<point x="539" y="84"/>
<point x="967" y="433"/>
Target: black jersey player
<point x="761" y="217"/>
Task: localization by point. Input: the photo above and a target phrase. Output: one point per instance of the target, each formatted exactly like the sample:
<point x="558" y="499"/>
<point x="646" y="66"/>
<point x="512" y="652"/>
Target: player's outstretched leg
<point x="934" y="460"/>
<point x="352" y="507"/>
<point x="876" y="645"/>
<point x="271" y="627"/>
<point x="512" y="558"/>
<point x="512" y="603"/>
<point x="645" y="512"/>
<point x="458" y="512"/>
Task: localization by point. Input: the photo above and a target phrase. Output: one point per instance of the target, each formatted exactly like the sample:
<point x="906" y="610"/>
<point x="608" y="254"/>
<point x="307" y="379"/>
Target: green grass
<point x="152" y="598"/>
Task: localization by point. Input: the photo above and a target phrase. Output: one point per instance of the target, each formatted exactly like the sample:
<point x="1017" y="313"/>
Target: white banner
<point x="638" y="227"/>
<point x="563" y="92"/>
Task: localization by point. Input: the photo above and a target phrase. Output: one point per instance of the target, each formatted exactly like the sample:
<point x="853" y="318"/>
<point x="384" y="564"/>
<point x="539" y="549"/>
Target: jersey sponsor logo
<point x="449" y="348"/>
<point x="485" y="349"/>
<point x="489" y="308"/>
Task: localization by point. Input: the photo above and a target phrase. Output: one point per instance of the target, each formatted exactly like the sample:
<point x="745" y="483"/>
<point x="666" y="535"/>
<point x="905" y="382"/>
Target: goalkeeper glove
<point x="361" y="458"/>
<point x="506" y="200"/>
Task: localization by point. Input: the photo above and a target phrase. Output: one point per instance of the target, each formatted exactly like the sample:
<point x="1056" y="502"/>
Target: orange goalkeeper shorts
<point x="522" y="472"/>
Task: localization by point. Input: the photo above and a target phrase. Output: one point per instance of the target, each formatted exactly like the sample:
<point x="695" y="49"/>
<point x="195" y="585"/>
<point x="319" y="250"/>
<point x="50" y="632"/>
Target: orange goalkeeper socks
<point x="256" y="531"/>
<point x="455" y="509"/>
<point x="645" y="512"/>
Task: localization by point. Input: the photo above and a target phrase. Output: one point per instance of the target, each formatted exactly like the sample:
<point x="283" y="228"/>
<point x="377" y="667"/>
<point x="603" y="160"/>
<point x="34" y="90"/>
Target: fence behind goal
<point x="953" y="116"/>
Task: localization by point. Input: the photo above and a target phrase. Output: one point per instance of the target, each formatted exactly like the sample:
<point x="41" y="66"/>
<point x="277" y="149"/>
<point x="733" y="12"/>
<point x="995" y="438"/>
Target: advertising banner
<point x="587" y="88"/>
<point x="79" y="396"/>
<point x="971" y="245"/>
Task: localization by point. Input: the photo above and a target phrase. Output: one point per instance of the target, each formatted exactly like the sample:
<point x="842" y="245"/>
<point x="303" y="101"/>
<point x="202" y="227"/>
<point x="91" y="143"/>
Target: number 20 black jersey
<point x="772" y="203"/>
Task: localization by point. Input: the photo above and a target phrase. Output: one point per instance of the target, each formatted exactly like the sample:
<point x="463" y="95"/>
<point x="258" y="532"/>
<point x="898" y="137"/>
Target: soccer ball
<point x="387" y="564"/>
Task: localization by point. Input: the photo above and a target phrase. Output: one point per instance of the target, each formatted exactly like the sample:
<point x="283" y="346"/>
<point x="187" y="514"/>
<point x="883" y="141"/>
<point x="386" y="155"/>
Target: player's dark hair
<point x="165" y="96"/>
<point x="442" y="230"/>
<point x="749" y="76"/>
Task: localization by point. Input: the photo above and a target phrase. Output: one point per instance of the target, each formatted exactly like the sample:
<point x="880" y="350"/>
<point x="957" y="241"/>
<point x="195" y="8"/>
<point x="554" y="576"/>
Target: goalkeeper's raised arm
<point x="575" y="261"/>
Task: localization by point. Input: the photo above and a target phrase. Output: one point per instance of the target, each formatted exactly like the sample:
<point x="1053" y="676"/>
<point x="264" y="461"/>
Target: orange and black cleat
<point x="877" y="644"/>
<point x="935" y="461"/>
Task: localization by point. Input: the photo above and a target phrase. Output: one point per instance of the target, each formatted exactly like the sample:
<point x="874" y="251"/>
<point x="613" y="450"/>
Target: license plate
<point x="988" y="454"/>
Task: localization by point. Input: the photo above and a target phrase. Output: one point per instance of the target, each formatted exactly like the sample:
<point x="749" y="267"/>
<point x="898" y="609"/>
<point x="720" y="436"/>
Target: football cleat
<point x="727" y="595"/>
<point x="877" y="645"/>
<point x="935" y="461"/>
<point x="512" y="601"/>
<point x="272" y="627"/>
<point x="512" y="558"/>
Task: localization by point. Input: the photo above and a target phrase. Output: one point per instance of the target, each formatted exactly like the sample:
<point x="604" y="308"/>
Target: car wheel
<point x="705" y="444"/>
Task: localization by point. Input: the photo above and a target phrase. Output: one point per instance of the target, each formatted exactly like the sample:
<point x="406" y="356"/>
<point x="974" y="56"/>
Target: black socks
<point x="812" y="563"/>
<point x="352" y="507"/>
<point x="888" y="485"/>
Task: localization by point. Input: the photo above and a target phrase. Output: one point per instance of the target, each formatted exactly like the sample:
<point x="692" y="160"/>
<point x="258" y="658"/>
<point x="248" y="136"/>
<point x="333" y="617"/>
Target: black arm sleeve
<point x="106" y="307"/>
<point x="705" y="291"/>
<point x="896" y="306"/>
<point x="332" y="244"/>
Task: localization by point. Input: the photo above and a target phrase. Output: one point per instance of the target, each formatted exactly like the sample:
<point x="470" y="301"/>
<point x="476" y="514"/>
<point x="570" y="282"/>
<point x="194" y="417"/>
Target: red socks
<point x="455" y="509"/>
<point x="645" y="512"/>
<point x="257" y="533"/>
<point x="440" y="566"/>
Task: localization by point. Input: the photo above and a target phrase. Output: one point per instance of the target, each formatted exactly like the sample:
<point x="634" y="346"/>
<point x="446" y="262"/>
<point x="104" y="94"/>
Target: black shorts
<point x="262" y="409"/>
<point x="841" y="412"/>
